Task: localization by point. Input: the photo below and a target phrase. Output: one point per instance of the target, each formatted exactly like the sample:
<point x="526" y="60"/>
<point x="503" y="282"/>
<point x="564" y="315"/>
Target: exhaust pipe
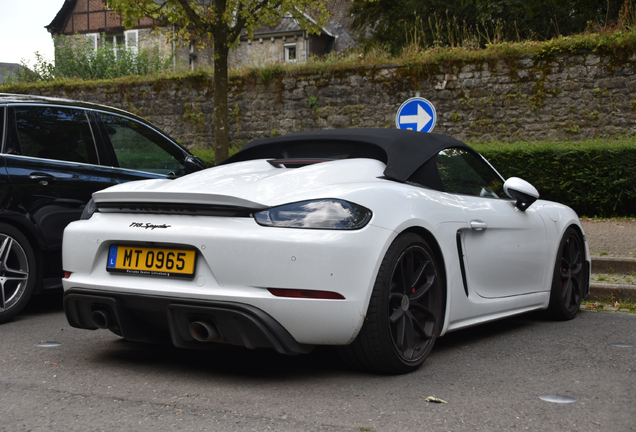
<point x="102" y="319"/>
<point x="204" y="332"/>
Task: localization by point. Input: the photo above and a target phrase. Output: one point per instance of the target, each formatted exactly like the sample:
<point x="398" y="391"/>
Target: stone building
<point x="288" y="42"/>
<point x="94" y="22"/>
<point x="8" y="70"/>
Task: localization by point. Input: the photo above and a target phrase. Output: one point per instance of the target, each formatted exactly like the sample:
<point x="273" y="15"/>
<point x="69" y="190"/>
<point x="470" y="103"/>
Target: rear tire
<point x="567" y="280"/>
<point x="17" y="272"/>
<point x="405" y="311"/>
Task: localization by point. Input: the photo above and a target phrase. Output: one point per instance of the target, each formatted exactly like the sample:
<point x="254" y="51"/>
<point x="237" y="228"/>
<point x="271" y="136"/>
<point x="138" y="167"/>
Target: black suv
<point x="54" y="154"/>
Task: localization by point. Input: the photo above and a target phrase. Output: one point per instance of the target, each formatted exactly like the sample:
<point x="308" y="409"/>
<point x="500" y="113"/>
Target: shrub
<point x="81" y="60"/>
<point x="206" y="154"/>
<point x="595" y="178"/>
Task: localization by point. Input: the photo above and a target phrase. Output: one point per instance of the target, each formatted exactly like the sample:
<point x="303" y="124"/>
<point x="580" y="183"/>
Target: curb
<point x="608" y="292"/>
<point x="621" y="265"/>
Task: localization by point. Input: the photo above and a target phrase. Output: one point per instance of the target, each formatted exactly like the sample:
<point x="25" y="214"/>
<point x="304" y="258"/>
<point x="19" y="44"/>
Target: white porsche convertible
<point x="374" y="240"/>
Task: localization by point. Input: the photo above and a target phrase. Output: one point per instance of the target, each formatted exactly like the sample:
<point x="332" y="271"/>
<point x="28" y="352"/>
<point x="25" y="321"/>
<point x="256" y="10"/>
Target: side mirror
<point x="193" y="164"/>
<point x="522" y="191"/>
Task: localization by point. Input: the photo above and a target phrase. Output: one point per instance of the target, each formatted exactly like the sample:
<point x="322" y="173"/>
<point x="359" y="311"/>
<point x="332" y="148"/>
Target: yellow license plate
<point x="151" y="261"/>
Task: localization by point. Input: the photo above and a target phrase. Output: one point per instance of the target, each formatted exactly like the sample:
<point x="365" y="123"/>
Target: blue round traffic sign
<point x="416" y="114"/>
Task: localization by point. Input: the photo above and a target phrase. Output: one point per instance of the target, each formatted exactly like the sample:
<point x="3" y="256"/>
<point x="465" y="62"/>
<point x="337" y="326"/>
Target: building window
<point x="128" y="40"/>
<point x="290" y="52"/>
<point x="116" y="42"/>
<point x="132" y="40"/>
<point x="193" y="55"/>
<point x="92" y="40"/>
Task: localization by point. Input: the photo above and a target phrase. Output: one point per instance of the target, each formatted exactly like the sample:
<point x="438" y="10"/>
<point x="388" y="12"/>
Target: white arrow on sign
<point x="421" y="118"/>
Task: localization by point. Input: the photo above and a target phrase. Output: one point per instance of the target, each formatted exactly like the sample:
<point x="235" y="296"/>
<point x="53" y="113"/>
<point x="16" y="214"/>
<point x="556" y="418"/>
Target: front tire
<point x="568" y="279"/>
<point x="17" y="272"/>
<point x="405" y="311"/>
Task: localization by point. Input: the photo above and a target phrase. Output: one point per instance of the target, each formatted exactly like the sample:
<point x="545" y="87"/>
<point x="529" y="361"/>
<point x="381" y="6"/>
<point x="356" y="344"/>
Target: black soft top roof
<point x="402" y="151"/>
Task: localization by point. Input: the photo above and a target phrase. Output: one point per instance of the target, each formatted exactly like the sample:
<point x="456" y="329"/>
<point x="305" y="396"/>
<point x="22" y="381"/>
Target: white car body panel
<point x="504" y="251"/>
<point x="239" y="259"/>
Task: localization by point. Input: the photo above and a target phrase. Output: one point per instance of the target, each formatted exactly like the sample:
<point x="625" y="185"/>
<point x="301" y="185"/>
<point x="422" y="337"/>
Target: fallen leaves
<point x="433" y="399"/>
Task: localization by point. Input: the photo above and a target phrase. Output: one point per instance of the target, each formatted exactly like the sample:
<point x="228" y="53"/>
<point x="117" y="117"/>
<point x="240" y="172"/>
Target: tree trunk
<point x="220" y="114"/>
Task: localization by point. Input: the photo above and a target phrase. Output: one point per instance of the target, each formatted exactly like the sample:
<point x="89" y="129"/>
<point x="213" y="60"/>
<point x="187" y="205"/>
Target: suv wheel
<point x="17" y="271"/>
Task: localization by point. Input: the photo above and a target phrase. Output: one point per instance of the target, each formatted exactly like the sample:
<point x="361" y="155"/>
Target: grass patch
<point x="611" y="306"/>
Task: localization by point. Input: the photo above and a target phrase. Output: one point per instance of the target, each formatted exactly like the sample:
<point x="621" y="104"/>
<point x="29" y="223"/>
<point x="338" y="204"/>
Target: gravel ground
<point x="611" y="237"/>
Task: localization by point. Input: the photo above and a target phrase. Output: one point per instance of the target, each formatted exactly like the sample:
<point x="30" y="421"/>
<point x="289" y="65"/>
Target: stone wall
<point x="565" y="96"/>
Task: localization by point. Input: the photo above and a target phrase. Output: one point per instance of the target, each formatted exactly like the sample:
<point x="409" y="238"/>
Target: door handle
<point x="42" y="178"/>
<point x="478" y="225"/>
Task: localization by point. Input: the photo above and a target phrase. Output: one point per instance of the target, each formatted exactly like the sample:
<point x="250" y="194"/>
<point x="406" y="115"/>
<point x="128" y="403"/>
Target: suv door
<point x="53" y="168"/>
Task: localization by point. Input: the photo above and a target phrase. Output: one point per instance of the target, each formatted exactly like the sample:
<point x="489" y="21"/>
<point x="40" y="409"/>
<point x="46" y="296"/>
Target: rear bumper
<point x="237" y="262"/>
<point x="151" y="319"/>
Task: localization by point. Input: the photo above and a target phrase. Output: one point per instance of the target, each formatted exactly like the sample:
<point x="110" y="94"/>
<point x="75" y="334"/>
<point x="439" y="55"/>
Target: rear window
<point x="320" y="149"/>
<point x="53" y="133"/>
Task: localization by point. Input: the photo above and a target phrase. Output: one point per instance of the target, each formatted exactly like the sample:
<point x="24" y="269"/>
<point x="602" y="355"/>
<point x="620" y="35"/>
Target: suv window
<point x="141" y="148"/>
<point x="52" y="133"/>
<point x="1" y="127"/>
<point x="464" y="173"/>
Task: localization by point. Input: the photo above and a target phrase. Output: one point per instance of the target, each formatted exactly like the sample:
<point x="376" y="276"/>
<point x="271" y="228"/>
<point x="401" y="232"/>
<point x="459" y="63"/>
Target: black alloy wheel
<point x="568" y="279"/>
<point x="413" y="285"/>
<point x="405" y="312"/>
<point x="17" y="272"/>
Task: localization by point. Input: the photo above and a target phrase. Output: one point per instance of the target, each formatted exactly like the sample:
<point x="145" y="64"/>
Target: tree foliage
<point x="393" y="24"/>
<point x="219" y="23"/>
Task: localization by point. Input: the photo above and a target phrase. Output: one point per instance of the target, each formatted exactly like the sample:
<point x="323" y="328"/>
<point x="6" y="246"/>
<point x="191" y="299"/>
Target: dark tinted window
<point x="54" y="133"/>
<point x="331" y="149"/>
<point x="141" y="148"/>
<point x="1" y="128"/>
<point x="465" y="173"/>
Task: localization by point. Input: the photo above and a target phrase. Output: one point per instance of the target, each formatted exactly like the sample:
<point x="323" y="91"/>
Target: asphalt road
<point x="491" y="376"/>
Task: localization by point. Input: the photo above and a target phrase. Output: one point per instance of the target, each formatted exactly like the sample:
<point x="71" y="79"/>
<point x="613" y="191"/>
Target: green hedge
<point x="207" y="154"/>
<point x="594" y="178"/>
